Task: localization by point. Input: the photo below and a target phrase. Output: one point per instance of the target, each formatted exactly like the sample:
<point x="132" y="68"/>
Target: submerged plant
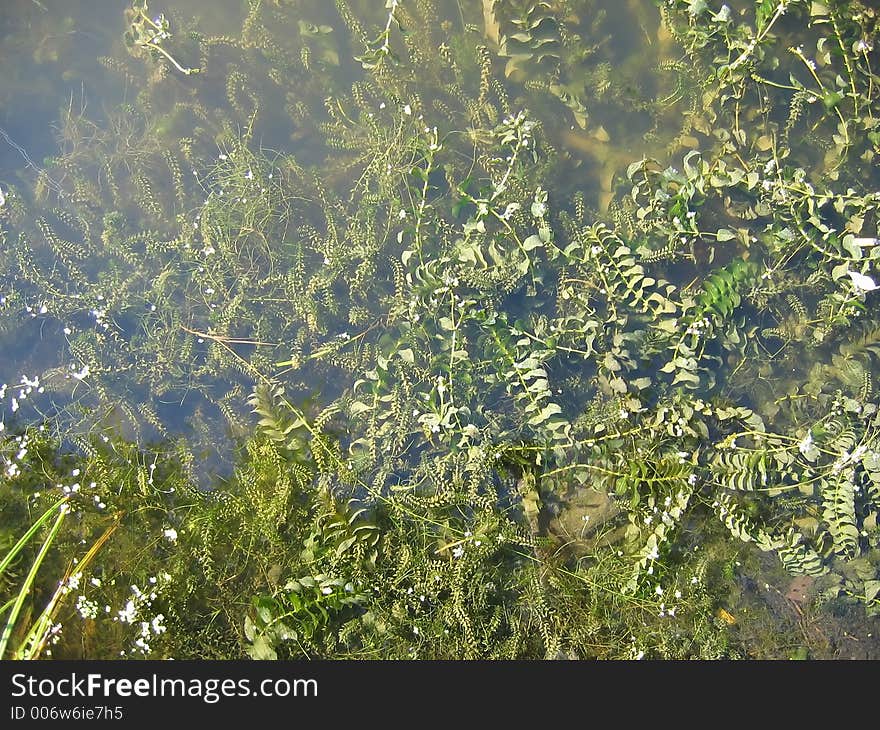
<point x="147" y="34"/>
<point x="471" y="378"/>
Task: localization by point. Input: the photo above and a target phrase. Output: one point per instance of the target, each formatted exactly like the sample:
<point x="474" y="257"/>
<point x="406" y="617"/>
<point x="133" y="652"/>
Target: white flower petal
<point x="861" y="282"/>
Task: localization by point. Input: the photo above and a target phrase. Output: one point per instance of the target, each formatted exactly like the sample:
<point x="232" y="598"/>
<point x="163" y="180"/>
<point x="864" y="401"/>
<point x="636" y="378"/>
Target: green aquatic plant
<point x="447" y="408"/>
<point x="13" y="606"/>
<point x="149" y="34"/>
<point x="296" y="612"/>
<point x="379" y="49"/>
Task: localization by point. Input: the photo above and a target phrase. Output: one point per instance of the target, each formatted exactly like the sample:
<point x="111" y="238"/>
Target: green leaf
<point x="262" y="650"/>
<point x="848" y="242"/>
<point x="697" y="7"/>
<point x="831" y="100"/>
<point x="686" y="376"/>
<point x="532" y="242"/>
<point x="839" y="271"/>
<point x="551" y="409"/>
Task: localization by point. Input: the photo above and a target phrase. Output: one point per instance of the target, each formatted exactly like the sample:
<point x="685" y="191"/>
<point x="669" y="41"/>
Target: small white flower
<point x="128" y="614"/>
<point x="81" y="375"/>
<point x="86" y="608"/>
<point x="170" y="534"/>
<point x="510" y="210"/>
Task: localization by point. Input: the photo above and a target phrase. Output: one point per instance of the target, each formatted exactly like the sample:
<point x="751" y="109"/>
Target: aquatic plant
<point x="477" y="375"/>
<point x="149" y="34"/>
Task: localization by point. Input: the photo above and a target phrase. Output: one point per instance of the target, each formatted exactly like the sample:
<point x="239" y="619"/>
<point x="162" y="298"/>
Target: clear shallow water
<point x="64" y="101"/>
<point x="172" y="238"/>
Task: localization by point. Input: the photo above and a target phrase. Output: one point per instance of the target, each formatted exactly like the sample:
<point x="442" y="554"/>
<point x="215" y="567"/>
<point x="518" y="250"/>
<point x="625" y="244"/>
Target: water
<point x="64" y="98"/>
<point x="548" y="246"/>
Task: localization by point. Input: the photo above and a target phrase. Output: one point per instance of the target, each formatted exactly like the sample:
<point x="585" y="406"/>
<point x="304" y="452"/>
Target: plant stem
<point x="63" y="509"/>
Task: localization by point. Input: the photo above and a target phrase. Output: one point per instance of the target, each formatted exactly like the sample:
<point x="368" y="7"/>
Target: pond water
<point x="614" y="262"/>
<point x="78" y="105"/>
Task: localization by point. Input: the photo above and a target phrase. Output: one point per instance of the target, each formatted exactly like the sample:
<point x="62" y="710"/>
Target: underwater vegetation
<point x="440" y="330"/>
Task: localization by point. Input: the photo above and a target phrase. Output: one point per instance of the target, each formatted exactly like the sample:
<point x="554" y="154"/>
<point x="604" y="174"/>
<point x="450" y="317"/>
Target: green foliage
<point x="150" y="34"/>
<point x="485" y="419"/>
<point x="296" y="612"/>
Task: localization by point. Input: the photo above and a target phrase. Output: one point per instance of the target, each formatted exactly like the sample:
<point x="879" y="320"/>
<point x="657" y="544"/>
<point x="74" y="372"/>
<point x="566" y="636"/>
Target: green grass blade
<point x="35" y="640"/>
<point x="32" y="573"/>
<point x="10" y="556"/>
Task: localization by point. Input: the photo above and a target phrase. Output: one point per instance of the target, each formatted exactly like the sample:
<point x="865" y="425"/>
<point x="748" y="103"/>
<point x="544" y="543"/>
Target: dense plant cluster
<point x="487" y="332"/>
